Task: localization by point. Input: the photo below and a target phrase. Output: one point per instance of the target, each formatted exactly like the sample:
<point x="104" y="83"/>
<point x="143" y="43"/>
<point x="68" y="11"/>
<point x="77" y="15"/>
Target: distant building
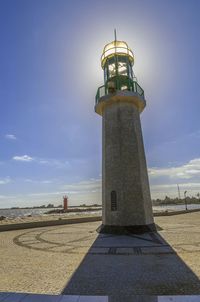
<point x="65" y="203"/>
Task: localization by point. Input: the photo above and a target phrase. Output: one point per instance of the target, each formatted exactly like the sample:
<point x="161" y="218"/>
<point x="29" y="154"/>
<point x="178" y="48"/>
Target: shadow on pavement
<point x="120" y="266"/>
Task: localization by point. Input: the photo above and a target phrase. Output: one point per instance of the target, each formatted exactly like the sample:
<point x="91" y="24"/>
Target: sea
<point x="13" y="213"/>
<point x="171" y="208"/>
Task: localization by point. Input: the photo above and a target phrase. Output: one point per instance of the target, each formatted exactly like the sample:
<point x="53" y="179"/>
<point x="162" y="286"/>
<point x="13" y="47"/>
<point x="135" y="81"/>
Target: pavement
<point x="23" y="297"/>
<point x="75" y="259"/>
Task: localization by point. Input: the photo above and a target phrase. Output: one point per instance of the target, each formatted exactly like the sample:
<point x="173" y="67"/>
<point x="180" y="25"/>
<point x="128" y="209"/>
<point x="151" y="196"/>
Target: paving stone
<point x="125" y="251"/>
<point x="41" y="298"/>
<point x="179" y="299"/>
<point x="93" y="299"/>
<point x="157" y="250"/>
<point x="15" y="297"/>
<point x="4" y="295"/>
<point x="96" y="250"/>
<point x="69" y="298"/>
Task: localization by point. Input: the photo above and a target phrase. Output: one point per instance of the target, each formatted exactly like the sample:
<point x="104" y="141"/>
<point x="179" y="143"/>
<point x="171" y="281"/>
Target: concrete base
<point x="128" y="229"/>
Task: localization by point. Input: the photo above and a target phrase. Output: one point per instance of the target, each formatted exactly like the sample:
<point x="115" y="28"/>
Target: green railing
<point x="118" y="83"/>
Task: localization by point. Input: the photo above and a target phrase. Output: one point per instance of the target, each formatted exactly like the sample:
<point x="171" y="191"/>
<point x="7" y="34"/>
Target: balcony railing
<point x="117" y="83"/>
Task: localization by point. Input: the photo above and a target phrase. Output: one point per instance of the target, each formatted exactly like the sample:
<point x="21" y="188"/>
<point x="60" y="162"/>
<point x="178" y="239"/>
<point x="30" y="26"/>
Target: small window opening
<point x="113" y="201"/>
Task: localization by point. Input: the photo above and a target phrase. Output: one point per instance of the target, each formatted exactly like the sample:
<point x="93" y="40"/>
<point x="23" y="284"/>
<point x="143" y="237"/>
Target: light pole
<point x="185" y="200"/>
<point x="179" y="194"/>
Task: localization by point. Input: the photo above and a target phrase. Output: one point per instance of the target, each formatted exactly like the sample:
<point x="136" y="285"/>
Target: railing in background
<point x="119" y="84"/>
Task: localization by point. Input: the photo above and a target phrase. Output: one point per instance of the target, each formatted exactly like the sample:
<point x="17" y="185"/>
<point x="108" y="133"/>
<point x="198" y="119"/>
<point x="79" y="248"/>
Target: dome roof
<point x="116" y="47"/>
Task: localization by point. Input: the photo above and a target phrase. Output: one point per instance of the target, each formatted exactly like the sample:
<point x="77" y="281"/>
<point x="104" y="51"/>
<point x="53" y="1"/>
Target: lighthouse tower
<point x="126" y="200"/>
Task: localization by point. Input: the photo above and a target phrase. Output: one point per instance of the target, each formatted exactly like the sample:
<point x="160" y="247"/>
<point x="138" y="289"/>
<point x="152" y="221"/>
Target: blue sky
<point x="50" y="137"/>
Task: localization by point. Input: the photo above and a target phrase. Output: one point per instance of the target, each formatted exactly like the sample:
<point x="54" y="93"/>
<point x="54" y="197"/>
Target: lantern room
<point x="117" y="60"/>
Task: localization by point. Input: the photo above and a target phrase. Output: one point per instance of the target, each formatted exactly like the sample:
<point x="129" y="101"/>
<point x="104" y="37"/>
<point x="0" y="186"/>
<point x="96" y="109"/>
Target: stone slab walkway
<point x="22" y="297"/>
<point x="132" y="265"/>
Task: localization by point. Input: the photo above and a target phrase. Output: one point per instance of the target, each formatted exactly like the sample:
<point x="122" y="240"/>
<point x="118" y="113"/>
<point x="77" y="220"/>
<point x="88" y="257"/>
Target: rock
<point x="2" y="218"/>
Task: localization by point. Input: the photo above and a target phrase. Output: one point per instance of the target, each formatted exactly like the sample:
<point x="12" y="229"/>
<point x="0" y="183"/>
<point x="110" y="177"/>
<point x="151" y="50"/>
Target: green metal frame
<point x="119" y="83"/>
<point x="117" y="59"/>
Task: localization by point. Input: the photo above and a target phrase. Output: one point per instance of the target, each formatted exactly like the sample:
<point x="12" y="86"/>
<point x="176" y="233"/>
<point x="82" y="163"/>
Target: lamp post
<point x="179" y="194"/>
<point x="185" y="200"/>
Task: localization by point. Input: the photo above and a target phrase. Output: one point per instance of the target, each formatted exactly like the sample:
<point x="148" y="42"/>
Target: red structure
<point x="65" y="203"/>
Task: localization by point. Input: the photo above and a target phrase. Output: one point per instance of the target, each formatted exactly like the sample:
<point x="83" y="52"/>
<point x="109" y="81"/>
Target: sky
<point x="50" y="136"/>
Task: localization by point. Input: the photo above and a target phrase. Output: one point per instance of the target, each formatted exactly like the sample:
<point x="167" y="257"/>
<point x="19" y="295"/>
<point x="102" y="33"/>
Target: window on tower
<point x="105" y="73"/>
<point x="113" y="201"/>
<point x="111" y="67"/>
<point x="112" y="70"/>
<point x="122" y="68"/>
<point x="130" y="71"/>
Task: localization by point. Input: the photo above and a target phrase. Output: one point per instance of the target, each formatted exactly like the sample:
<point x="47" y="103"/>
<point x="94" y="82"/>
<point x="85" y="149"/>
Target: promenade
<point x="75" y="259"/>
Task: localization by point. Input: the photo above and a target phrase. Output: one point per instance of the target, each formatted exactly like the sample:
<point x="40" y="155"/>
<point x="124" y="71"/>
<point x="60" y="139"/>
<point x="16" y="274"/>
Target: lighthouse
<point x="126" y="200"/>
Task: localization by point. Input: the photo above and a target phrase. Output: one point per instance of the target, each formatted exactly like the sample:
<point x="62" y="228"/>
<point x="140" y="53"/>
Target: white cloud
<point x="51" y="162"/>
<point x="4" y="181"/>
<point x="195" y="134"/>
<point x="46" y="181"/>
<point x="164" y="180"/>
<point x="7" y="197"/>
<point x="39" y="181"/>
<point x="171" y="190"/>
<point x="84" y="187"/>
<point x="45" y="194"/>
<point x="10" y="136"/>
<point x="88" y="186"/>
<point x="186" y="171"/>
<point x="24" y="158"/>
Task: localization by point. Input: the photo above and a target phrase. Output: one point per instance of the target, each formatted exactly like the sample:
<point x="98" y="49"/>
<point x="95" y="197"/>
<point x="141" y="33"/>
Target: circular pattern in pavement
<point x="83" y="238"/>
<point x="67" y="239"/>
